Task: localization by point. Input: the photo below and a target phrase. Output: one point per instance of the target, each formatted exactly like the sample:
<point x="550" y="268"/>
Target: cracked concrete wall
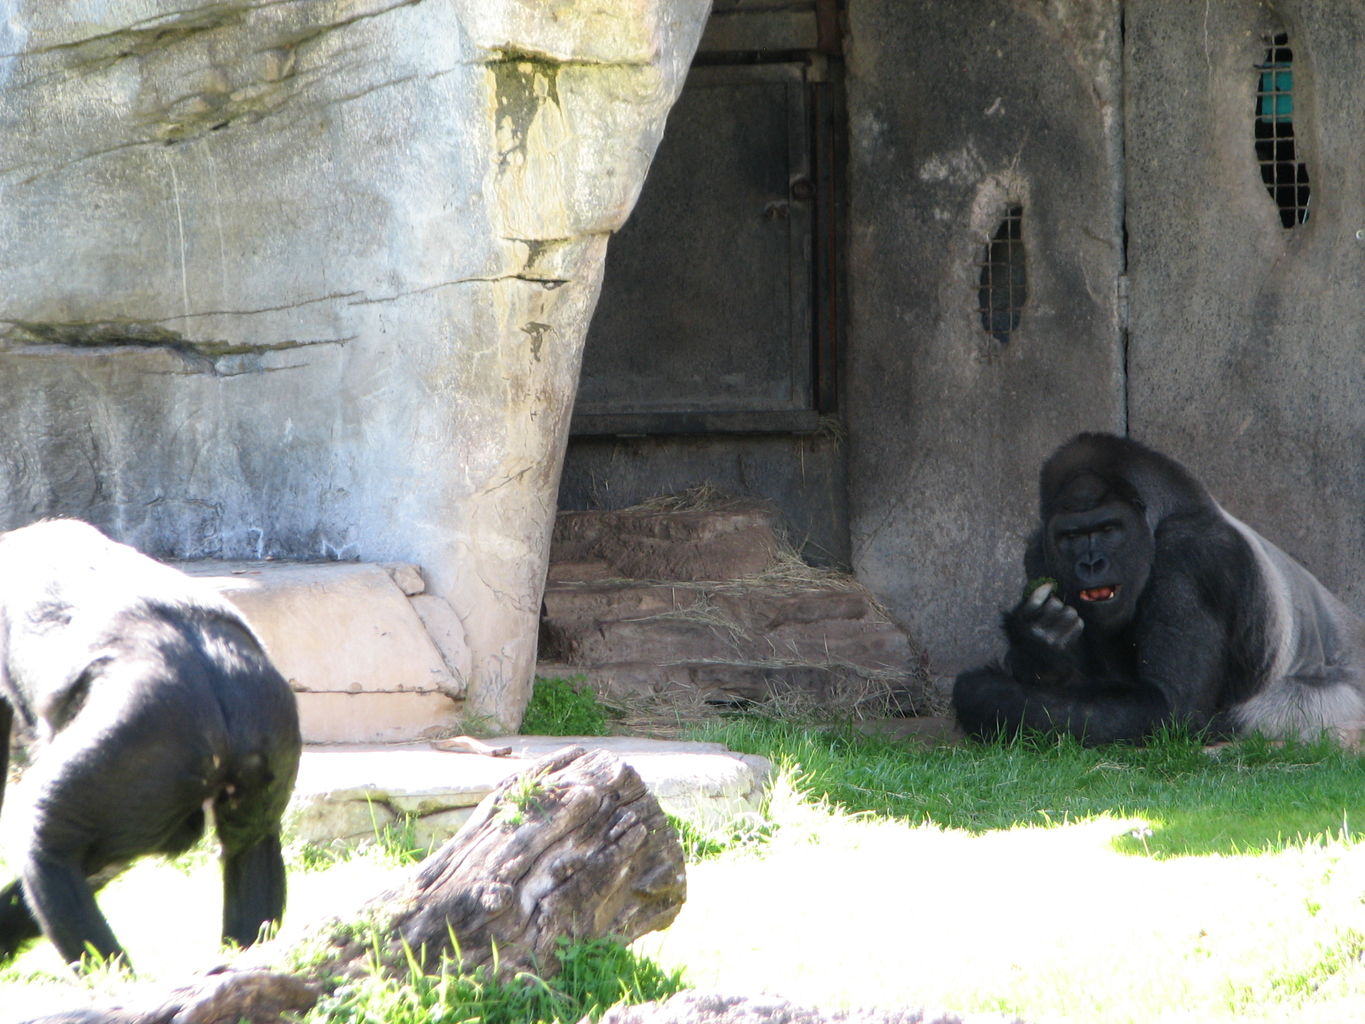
<point x="310" y="278"/>
<point x="953" y="119"/>
<point x="1247" y="358"/>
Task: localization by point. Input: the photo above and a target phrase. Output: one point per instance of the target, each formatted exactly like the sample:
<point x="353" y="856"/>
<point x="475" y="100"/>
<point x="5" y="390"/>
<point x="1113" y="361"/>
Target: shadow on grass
<point x="1249" y="797"/>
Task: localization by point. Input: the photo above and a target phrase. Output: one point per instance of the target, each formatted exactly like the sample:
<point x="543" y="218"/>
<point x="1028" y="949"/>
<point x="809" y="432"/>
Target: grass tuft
<point x="594" y="976"/>
<point x="704" y="844"/>
<point x="521" y="800"/>
<point x="564" y="707"/>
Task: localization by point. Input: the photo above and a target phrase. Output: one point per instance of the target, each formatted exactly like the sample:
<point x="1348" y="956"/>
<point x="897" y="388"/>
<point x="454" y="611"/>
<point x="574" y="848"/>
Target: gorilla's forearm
<point x="64" y="905"/>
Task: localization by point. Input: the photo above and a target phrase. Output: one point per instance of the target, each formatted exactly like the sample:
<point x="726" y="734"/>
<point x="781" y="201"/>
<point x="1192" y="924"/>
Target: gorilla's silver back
<point x="1317" y="672"/>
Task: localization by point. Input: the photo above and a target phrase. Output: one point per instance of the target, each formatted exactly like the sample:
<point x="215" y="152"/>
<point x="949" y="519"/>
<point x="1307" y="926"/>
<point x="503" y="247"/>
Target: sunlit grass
<point x="1047" y="881"/>
<point x="1049" y="922"/>
<point x="594" y="975"/>
<point x="168" y="915"/>
<point x="1252" y="796"/>
<point x="1166" y="884"/>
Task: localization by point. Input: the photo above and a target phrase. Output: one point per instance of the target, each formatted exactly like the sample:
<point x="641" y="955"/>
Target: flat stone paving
<point x="346" y="793"/>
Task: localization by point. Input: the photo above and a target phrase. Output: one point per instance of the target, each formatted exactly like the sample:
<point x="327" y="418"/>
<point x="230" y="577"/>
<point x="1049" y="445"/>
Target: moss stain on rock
<point x="99" y="52"/>
<point x="522" y="84"/>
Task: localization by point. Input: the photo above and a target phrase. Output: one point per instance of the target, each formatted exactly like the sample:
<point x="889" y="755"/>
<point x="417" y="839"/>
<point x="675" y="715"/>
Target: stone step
<point x="666" y="639"/>
<point x="648" y="601"/>
<point x="376" y="717"/>
<point x="587" y="570"/>
<point x="844" y="687"/>
<point x="738" y="539"/>
<point x="754" y="605"/>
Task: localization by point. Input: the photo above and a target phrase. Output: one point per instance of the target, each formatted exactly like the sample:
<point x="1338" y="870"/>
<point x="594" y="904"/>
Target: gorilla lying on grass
<point x="1151" y="606"/>
<point x="151" y="701"/>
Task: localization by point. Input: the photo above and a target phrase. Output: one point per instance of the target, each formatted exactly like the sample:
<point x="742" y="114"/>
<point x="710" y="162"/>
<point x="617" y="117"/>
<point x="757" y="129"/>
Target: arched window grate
<point x="1286" y="179"/>
<point x="1004" y="284"/>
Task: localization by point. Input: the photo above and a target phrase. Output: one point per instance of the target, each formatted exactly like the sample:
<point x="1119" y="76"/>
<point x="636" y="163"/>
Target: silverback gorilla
<point x="1161" y="609"/>
<point x="150" y="701"/>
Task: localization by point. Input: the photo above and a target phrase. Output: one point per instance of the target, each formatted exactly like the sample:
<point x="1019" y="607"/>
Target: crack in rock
<point x="215" y="357"/>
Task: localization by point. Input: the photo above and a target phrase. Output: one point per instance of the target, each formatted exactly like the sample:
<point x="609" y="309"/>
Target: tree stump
<point x="574" y="847"/>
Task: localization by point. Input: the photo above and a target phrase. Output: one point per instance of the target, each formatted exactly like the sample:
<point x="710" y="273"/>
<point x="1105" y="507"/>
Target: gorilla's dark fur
<point x="148" y="700"/>
<point x="1165" y="610"/>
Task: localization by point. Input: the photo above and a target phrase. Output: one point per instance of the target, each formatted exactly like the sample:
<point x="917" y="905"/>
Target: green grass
<point x="1162" y="885"/>
<point x="1242" y="798"/>
<point x="563" y="707"/>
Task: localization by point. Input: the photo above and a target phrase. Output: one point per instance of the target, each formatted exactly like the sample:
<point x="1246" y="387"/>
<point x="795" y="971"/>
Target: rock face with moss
<point x="310" y="278"/>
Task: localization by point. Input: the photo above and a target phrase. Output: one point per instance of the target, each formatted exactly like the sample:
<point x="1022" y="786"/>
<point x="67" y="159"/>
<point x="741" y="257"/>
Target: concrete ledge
<point x="394" y="717"/>
<point x="347" y="792"/>
<point x="372" y="657"/>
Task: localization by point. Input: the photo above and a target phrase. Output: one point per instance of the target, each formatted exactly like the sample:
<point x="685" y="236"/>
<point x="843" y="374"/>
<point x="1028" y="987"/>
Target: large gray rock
<point x="310" y="278"/>
<point x="720" y="1008"/>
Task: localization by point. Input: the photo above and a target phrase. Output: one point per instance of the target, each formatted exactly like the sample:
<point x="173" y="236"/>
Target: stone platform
<point x="348" y="792"/>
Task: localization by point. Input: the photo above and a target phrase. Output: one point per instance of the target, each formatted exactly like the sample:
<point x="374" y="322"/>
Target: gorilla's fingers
<point x="1072" y="631"/>
<point x="1037" y="599"/>
<point x="1058" y="624"/>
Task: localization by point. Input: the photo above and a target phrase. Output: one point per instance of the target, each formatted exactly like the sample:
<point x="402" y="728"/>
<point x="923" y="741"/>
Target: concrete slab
<point x="371" y="657"/>
<point x="348" y="792"/>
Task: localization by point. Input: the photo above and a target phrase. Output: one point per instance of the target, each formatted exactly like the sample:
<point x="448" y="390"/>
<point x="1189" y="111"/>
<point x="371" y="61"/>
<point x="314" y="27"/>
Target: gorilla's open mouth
<point x="1099" y="594"/>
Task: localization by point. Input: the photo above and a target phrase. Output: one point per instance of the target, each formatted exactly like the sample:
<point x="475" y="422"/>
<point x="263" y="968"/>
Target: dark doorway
<point x="712" y="356"/>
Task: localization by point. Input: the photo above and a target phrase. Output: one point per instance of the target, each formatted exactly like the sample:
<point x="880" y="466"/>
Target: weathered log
<point x="260" y="997"/>
<point x="574" y="847"/>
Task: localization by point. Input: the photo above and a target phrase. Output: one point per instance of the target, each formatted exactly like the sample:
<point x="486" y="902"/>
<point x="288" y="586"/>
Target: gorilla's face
<point x="1101" y="553"/>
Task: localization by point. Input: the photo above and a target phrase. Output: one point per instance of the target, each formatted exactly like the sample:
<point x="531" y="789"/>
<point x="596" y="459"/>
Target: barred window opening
<point x="1285" y="177"/>
<point x="1004" y="284"/>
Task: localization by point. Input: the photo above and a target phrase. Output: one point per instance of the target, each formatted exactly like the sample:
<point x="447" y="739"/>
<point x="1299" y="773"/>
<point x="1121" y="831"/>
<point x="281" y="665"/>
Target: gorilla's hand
<point x="1043" y="632"/>
<point x="1044" y="617"/>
